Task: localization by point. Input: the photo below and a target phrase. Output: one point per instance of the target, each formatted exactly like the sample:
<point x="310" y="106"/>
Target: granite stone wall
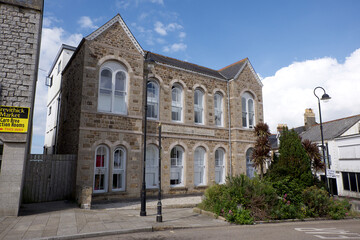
<point x="115" y="130"/>
<point x="20" y="26"/>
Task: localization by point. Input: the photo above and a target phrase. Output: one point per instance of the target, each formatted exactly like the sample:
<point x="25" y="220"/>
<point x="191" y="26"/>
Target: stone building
<point x="20" y="28"/>
<point x="207" y="118"/>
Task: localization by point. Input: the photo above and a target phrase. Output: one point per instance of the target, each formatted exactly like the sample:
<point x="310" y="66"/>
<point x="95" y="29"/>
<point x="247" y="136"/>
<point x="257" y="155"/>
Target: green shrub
<point x="339" y="209"/>
<point x="241" y="194"/>
<point x="239" y="216"/>
<point x="317" y="201"/>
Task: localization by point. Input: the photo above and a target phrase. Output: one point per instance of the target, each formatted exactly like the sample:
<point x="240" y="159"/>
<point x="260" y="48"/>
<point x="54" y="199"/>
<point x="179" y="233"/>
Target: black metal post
<point x="322" y="139"/>
<point x="159" y="205"/>
<point x="143" y="188"/>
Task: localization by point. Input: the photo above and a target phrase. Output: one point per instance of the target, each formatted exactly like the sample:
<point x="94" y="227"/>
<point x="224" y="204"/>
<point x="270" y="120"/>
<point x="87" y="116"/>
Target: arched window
<point x="176" y="103"/>
<point x="199" y="166"/>
<point x="112" y="88"/>
<point x="177" y="167"/>
<point x="119" y="169"/>
<point x="199" y="106"/>
<point x="247" y="105"/>
<point x="218" y="109"/>
<point x="152" y="100"/>
<point x="219" y="166"/>
<point x="152" y="166"/>
<point x="101" y="169"/>
<point x="250" y="170"/>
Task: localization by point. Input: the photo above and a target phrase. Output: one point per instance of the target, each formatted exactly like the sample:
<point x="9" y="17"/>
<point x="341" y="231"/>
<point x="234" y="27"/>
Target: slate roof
<point x="273" y="141"/>
<point x="226" y="73"/>
<point x="331" y="129"/>
<point x="230" y="71"/>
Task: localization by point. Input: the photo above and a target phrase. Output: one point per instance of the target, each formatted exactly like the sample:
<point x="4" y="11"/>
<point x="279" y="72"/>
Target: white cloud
<point x="160" y="28"/>
<point x="176" y="47"/>
<point x="123" y="4"/>
<point x="163" y="30"/>
<point x="161" y="2"/>
<point x="52" y="38"/>
<point x="86" y="22"/>
<point x="290" y="90"/>
<point x="182" y="35"/>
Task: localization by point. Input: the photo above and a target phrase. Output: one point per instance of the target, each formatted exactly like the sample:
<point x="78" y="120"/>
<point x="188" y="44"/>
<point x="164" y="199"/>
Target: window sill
<point x="201" y="187"/>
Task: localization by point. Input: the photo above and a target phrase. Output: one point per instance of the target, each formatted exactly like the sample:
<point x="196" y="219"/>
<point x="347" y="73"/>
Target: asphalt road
<point x="342" y="229"/>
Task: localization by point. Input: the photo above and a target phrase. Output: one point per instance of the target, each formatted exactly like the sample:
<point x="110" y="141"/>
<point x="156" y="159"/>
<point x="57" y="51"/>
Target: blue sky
<point x="294" y="46"/>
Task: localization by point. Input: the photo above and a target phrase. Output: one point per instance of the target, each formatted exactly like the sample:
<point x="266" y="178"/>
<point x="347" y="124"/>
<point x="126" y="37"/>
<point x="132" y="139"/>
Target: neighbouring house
<point x="342" y="141"/>
<point x="342" y="144"/>
<point x="207" y="118"/>
<point x="53" y="81"/>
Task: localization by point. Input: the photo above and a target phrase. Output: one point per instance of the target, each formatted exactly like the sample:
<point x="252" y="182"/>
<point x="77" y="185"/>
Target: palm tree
<point x="314" y="155"/>
<point x="262" y="147"/>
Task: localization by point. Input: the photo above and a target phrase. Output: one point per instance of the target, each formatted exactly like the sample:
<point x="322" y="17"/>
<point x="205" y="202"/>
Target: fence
<point x="49" y="178"/>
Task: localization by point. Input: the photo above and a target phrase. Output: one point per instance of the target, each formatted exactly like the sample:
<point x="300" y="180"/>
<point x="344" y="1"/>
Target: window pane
<point x="251" y="112"/>
<point x="346" y="183"/>
<point x="105" y="82"/>
<point x="120" y="81"/>
<point x="358" y="181"/>
<point x="117" y="181"/>
<point x="118" y="159"/>
<point x="176" y="104"/>
<point x="352" y="182"/>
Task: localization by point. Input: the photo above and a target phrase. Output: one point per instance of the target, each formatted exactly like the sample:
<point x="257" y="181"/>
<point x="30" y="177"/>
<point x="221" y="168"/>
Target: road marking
<point x="329" y="233"/>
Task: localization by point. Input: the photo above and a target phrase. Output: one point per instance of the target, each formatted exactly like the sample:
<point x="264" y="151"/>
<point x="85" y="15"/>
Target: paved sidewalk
<point x="63" y="220"/>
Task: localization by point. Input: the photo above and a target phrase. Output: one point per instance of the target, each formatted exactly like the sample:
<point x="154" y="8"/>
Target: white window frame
<point x="200" y="166"/>
<point x="121" y="170"/>
<point x="114" y="68"/>
<point x="177" y="104"/>
<point x="152" y="167"/>
<point x="248" y="110"/>
<point x="199" y="106"/>
<point x="153" y="100"/>
<point x="220" y="166"/>
<point x="177" y="166"/>
<point x="101" y="170"/>
<point x="218" y="109"/>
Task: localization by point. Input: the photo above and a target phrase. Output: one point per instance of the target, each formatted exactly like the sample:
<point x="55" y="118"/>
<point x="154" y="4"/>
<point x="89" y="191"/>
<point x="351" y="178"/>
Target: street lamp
<point x="159" y="205"/>
<point x="148" y="65"/>
<point x="325" y="97"/>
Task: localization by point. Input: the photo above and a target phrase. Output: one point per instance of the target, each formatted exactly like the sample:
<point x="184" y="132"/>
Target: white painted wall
<point x="54" y="98"/>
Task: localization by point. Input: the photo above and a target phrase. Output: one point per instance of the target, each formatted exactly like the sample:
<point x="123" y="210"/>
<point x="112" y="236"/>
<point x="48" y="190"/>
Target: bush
<point x="339" y="209"/>
<point x="240" y="197"/>
<point x="317" y="202"/>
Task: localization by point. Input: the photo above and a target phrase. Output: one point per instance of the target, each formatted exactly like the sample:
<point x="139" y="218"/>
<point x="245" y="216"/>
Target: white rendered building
<point x="54" y="96"/>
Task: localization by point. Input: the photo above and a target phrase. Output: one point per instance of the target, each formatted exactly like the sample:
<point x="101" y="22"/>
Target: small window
<point x="176" y="103"/>
<point x="101" y="169"/>
<point x="248" y="112"/>
<point x="346" y="183"/>
<point x="218" y="109"/>
<point x="352" y="177"/>
<point x="219" y="166"/>
<point x="199" y="106"/>
<point x="152" y="100"/>
<point x="119" y="169"/>
<point x="59" y="68"/>
<point x="199" y="166"/>
<point x="152" y="166"/>
<point x="49" y="113"/>
<point x="176" y="170"/>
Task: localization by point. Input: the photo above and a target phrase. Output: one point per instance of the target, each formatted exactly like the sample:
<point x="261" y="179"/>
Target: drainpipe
<point x="228" y="106"/>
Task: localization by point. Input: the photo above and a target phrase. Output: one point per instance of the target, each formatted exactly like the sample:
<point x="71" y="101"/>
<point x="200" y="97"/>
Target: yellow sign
<point x="14" y="119"/>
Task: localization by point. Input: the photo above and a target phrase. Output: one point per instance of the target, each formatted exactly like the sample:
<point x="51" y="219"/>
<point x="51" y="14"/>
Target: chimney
<point x="280" y="127"/>
<point x="309" y="118"/>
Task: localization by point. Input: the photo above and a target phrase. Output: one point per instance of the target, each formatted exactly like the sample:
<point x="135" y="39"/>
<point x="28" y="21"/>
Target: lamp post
<point x="148" y="65"/>
<point x="325" y="97"/>
<point x="159" y="205"/>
